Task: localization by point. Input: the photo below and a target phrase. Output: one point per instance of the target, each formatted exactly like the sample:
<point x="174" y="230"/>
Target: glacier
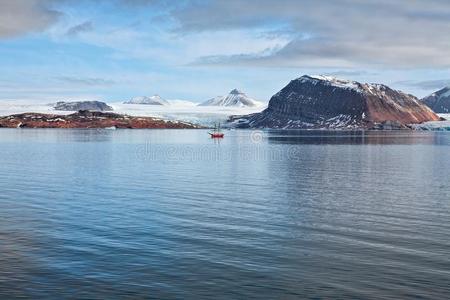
<point x="435" y="125"/>
<point x="175" y="110"/>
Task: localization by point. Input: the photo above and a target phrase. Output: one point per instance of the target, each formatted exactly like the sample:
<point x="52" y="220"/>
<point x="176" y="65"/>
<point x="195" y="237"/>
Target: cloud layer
<point x="426" y="84"/>
<point x="23" y="16"/>
<point x="122" y="48"/>
<point x="332" y="33"/>
<point x="328" y="33"/>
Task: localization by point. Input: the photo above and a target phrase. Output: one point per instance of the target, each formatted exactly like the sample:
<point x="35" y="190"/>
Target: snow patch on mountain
<point x="152" y="100"/>
<point x="374" y="89"/>
<point x="439" y="101"/>
<point x="235" y="98"/>
<point x="333" y="81"/>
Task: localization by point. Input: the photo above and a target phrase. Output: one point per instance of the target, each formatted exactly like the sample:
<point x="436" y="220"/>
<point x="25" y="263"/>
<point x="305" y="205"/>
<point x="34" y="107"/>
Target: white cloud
<point x="341" y="33"/>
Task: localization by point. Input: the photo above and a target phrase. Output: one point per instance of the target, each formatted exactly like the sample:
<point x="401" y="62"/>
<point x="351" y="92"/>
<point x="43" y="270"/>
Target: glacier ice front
<point x="435" y="125"/>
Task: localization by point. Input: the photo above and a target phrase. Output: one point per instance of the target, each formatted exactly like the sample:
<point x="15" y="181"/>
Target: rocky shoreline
<point x="89" y="119"/>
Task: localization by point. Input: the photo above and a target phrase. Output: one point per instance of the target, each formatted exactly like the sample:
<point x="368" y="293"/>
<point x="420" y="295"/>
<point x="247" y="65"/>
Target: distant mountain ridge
<point x="82" y="105"/>
<point x="152" y="100"/>
<point x="235" y="98"/>
<point x="328" y="102"/>
<point x="439" y="101"/>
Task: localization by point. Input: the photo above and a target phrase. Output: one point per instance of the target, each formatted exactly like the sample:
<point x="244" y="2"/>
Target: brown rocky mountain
<point x="326" y="102"/>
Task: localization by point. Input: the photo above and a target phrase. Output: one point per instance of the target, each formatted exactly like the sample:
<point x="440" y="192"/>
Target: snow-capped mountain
<point x="235" y="98"/>
<point x="328" y="102"/>
<point x="153" y="100"/>
<point x="439" y="101"/>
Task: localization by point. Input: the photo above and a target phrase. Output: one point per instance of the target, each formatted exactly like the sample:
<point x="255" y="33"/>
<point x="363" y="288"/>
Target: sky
<point x="113" y="50"/>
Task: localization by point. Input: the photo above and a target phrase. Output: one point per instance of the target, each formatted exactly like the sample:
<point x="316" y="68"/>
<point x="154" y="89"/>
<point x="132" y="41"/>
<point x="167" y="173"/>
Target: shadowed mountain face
<point x="326" y="102"/>
<point x="83" y="105"/>
<point x="439" y="101"/>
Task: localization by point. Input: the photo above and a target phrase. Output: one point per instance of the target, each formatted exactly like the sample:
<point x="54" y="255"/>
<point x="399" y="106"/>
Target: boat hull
<point x="216" y="135"/>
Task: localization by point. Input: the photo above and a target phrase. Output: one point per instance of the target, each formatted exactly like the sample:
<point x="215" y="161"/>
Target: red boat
<point x="216" y="134"/>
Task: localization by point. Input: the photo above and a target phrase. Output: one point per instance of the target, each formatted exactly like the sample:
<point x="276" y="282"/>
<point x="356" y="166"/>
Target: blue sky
<point x="196" y="49"/>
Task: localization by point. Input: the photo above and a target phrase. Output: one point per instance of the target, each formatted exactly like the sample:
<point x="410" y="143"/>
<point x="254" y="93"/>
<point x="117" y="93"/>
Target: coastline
<point x="90" y="119"/>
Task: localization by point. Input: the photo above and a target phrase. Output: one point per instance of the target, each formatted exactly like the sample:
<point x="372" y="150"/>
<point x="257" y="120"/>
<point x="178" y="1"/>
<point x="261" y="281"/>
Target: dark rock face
<point x="439" y="101"/>
<point x="82" y="105"/>
<point x="87" y="119"/>
<point x="325" y="102"/>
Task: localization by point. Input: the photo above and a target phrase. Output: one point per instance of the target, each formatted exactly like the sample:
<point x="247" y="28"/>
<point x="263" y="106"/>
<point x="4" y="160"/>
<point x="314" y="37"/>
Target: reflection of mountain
<point x="316" y="137"/>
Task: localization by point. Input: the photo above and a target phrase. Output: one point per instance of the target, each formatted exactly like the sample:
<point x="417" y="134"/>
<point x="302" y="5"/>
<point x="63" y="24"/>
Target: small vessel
<point x="216" y="133"/>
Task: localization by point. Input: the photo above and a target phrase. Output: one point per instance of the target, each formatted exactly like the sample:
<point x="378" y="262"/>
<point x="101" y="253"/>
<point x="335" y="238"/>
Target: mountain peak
<point x="235" y="98"/>
<point x="152" y="100"/>
<point x="439" y="101"/>
<point x="443" y="91"/>
<point x="321" y="77"/>
<point x="328" y="80"/>
<point x="364" y="88"/>
<point x="236" y="92"/>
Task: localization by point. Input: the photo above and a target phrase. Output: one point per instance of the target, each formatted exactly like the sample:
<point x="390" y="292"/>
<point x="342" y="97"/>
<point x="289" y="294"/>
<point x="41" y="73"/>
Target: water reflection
<point x="174" y="215"/>
<point x="357" y="137"/>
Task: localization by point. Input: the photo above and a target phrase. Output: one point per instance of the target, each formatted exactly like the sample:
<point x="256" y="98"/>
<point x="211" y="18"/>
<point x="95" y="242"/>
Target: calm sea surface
<point x="172" y="214"/>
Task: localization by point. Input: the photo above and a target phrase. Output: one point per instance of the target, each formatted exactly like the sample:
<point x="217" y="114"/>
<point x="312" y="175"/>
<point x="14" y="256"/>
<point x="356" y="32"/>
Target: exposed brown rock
<point x="323" y="102"/>
<point x="87" y="119"/>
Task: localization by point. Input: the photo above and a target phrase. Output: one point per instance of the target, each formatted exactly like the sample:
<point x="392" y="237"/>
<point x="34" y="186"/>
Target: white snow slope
<point x="176" y="110"/>
<point x="235" y="98"/>
<point x="435" y="125"/>
<point x="152" y="100"/>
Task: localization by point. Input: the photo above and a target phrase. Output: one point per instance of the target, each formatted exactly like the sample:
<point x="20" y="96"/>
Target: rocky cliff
<point x="326" y="102"/>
